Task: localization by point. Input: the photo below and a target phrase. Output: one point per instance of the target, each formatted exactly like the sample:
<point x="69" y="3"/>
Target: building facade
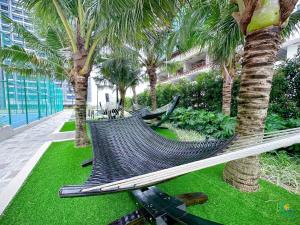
<point x="13" y="10"/>
<point x="193" y="62"/>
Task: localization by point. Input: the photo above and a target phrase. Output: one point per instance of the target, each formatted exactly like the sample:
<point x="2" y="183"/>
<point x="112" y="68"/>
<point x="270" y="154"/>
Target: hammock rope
<point x="128" y="154"/>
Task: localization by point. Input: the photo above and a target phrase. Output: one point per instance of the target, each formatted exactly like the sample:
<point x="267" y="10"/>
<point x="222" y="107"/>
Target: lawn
<point x="68" y="126"/>
<point x="38" y="201"/>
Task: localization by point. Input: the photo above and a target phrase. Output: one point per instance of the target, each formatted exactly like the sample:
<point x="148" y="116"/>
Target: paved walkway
<point x="17" y="150"/>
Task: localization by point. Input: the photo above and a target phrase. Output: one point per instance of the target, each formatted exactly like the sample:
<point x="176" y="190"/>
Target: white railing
<point x="187" y="73"/>
<point x="183" y="56"/>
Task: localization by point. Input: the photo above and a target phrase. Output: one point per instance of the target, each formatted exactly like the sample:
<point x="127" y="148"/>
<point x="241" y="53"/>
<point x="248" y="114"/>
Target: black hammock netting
<point x="128" y="147"/>
<point x="166" y="110"/>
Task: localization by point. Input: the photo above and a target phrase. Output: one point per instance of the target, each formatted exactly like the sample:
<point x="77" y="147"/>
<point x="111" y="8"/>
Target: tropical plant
<point x="121" y="72"/>
<point x="80" y="22"/>
<point x="261" y="22"/>
<point x="209" y="25"/>
<point x="44" y="60"/>
<point x="152" y="57"/>
<point x="88" y="26"/>
<point x="215" y="125"/>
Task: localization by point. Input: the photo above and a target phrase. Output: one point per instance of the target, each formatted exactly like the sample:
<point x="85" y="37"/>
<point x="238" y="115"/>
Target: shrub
<point x="206" y="91"/>
<point x="144" y="98"/>
<point x="211" y="124"/>
<point x="282" y="102"/>
<point x="128" y="103"/>
<point x="209" y="89"/>
<point x="218" y="125"/>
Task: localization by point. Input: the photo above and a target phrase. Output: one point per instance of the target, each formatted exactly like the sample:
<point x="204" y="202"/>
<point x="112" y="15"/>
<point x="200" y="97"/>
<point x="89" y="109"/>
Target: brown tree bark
<point x="260" y="53"/>
<point x="81" y="85"/>
<point x="151" y="71"/>
<point x="227" y="89"/>
<point x="122" y="93"/>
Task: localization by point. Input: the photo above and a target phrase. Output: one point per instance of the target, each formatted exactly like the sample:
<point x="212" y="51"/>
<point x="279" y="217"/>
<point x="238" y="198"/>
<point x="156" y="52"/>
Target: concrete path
<point x="16" y="151"/>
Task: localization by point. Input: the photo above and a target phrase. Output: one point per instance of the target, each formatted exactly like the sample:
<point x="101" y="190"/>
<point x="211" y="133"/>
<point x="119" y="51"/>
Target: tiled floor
<point x="17" y="150"/>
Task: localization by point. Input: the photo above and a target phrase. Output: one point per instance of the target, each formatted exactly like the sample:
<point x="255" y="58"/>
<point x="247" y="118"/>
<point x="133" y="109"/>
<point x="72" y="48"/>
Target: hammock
<point x="164" y="111"/>
<point x="128" y="155"/>
<point x="128" y="147"/>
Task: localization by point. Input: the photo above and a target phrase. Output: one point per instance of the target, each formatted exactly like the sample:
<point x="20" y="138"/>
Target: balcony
<point x="187" y="74"/>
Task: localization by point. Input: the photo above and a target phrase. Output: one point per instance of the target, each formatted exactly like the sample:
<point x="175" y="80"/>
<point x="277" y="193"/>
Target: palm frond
<point x="292" y="25"/>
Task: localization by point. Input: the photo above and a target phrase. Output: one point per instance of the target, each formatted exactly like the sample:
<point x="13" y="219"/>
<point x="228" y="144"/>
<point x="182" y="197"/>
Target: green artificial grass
<point x="166" y="133"/>
<point x="38" y="201"/>
<point x="68" y="126"/>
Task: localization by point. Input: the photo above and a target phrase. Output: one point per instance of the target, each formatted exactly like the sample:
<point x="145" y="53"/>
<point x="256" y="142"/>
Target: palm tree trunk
<point x="122" y="93"/>
<point x="226" y="92"/>
<point x="81" y="138"/>
<point x="134" y="94"/>
<point x="260" y="53"/>
<point x="81" y="85"/>
<point x="153" y="80"/>
<point x="117" y="94"/>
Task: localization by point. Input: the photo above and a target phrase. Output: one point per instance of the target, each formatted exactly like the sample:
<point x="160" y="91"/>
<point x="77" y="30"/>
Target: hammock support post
<point x="164" y="209"/>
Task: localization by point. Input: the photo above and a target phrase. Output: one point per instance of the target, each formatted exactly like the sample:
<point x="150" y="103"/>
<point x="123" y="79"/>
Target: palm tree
<point x="152" y="56"/>
<point x="261" y="22"/>
<point x="121" y="72"/>
<point x="80" y="22"/>
<point x="209" y="25"/>
<point x="90" y="24"/>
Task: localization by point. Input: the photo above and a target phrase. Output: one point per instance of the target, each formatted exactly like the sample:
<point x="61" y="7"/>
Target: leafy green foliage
<point x="211" y="124"/>
<point x="205" y="93"/>
<point x="285" y="94"/>
<point x="291" y="71"/>
<point x="275" y="122"/>
<point x="219" y="125"/>
<point x="209" y="89"/>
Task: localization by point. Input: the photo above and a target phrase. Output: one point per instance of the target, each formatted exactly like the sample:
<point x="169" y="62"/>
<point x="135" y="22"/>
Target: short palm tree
<point x="121" y="72"/>
<point x="149" y="49"/>
<point x="152" y="57"/>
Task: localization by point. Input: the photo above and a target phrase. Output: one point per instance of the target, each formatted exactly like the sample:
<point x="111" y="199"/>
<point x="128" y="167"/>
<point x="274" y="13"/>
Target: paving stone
<point x="18" y="150"/>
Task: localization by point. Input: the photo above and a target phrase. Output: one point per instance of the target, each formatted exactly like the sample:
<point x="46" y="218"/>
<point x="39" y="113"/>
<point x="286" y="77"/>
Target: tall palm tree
<point x="88" y="25"/>
<point x="261" y="22"/>
<point x="121" y="72"/>
<point x="81" y="24"/>
<point x="209" y="23"/>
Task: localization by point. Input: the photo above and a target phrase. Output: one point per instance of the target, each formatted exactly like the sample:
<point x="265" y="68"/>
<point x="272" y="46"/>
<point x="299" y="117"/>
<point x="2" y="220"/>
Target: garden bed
<point x="38" y="201"/>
